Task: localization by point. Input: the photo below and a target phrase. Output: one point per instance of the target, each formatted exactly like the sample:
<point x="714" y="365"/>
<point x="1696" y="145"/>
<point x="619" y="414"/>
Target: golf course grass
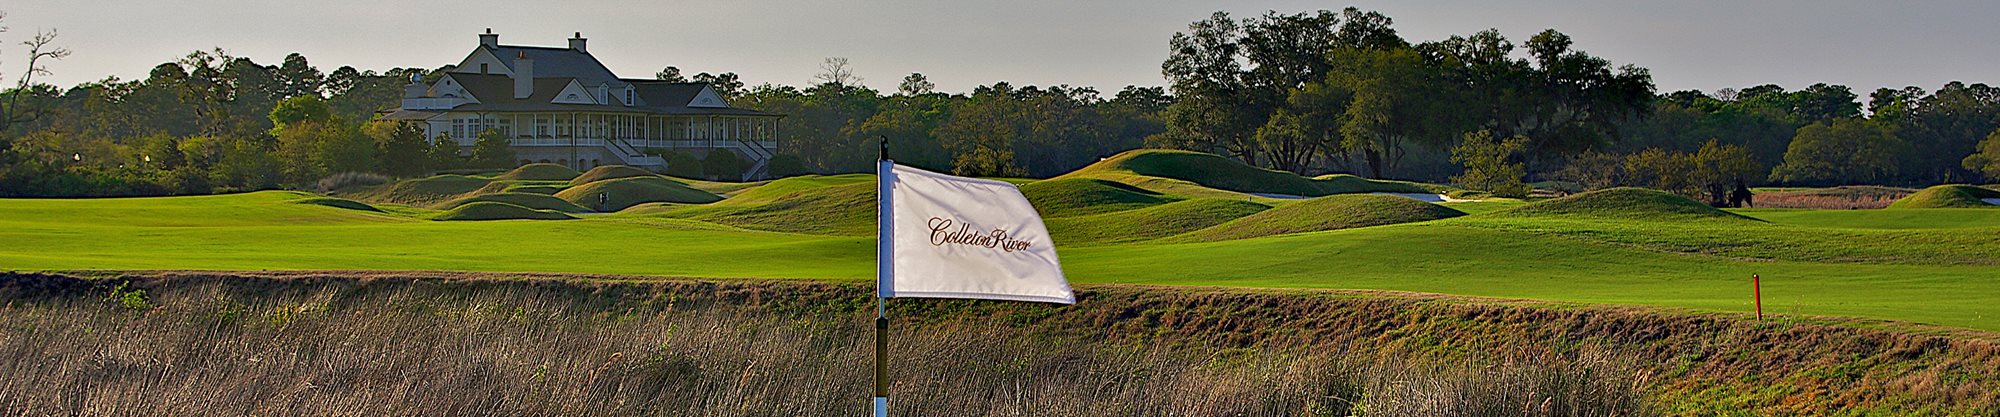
<point x="1113" y="222"/>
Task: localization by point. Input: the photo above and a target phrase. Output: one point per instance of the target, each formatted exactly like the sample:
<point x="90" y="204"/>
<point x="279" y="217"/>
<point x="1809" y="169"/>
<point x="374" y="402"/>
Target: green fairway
<point x="1941" y="218"/>
<point x="1937" y="266"/>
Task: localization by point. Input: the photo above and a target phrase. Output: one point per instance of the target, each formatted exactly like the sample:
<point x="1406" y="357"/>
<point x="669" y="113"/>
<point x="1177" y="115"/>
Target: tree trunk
<point x="1374" y="158"/>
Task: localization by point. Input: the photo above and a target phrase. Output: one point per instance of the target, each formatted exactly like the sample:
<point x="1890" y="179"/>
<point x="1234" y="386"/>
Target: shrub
<point x="787" y="165"/>
<point x="680" y="164"/>
<point x="1486" y="167"/>
<point x="724" y="164"/>
<point x="133" y="299"/>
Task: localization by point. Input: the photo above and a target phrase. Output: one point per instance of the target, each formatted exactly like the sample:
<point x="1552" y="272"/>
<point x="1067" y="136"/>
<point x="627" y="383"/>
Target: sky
<point x="1696" y="44"/>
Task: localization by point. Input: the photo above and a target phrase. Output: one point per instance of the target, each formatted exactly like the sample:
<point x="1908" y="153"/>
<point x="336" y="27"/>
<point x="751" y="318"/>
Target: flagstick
<point x="884" y="266"/>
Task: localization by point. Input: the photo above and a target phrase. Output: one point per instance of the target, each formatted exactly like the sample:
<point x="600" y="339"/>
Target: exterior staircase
<point x="760" y="159"/>
<point x="630" y="155"/>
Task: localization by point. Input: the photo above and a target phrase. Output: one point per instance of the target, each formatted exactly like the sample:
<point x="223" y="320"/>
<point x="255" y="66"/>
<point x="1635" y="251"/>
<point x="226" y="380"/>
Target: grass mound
<point x="838" y="205"/>
<point x="490" y="210"/>
<point x="1151" y="222"/>
<point x="532" y="189"/>
<point x="608" y="172"/>
<point x="1624" y="203"/>
<point x="519" y="186"/>
<point x="1204" y="169"/>
<point x="1081" y="196"/>
<point x="627" y="192"/>
<point x="1325" y="213"/>
<point x="1348" y="184"/>
<point x="423" y="191"/>
<point x="1203" y="174"/>
<point x="529" y="200"/>
<point x="1948" y="196"/>
<point x="337" y="203"/>
<point x="539" y="172"/>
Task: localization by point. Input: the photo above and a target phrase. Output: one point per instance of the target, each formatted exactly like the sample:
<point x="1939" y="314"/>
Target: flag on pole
<point x="957" y="237"/>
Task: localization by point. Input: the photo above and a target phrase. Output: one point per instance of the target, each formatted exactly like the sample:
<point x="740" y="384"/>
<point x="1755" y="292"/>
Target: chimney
<point x="489" y="39"/>
<point x="524" y="76"/>
<point x="576" y="43"/>
<point x="416" y="87"/>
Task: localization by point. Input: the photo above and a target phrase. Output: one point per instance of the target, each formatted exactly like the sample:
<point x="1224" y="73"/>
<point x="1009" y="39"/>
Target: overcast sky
<point x="1702" y="45"/>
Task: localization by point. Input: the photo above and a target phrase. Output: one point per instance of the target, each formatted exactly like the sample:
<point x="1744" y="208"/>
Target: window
<point x="482" y="68"/>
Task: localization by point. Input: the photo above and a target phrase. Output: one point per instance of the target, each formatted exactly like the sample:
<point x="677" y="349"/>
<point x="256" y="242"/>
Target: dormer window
<point x="628" y="96"/>
<point x="572" y="97"/>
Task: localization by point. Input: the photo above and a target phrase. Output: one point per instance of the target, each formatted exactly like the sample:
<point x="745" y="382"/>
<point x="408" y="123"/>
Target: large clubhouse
<point x="560" y="105"/>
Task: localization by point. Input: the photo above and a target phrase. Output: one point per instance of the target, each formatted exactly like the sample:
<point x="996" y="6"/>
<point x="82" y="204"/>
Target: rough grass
<point x="1624" y="203"/>
<point x="327" y="345"/>
<point x="1948" y="196"/>
<point x="528" y="200"/>
<point x="606" y="172"/>
<point x="340" y="343"/>
<point x="492" y="210"/>
<point x="1324" y="213"/>
<point x="1149" y="223"/>
<point x="628" y="192"/>
<point x="539" y="172"/>
<point x="334" y="202"/>
<point x="1079" y="196"/>
<point x="1840" y="198"/>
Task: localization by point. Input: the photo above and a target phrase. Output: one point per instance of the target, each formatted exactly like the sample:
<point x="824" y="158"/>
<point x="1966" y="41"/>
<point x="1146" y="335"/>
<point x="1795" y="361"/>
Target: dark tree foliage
<point x="1309" y="92"/>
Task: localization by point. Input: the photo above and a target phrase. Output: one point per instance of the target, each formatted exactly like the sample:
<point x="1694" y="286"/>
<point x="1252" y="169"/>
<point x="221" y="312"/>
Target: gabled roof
<point x="673" y="98"/>
<point x="553" y="62"/>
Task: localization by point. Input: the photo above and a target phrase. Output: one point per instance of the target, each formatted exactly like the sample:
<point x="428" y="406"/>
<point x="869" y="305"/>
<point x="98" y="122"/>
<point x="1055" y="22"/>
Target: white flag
<point x="956" y="237"/>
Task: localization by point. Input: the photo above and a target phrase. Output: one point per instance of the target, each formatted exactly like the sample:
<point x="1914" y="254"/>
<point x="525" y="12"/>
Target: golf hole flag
<point x="954" y="237"/>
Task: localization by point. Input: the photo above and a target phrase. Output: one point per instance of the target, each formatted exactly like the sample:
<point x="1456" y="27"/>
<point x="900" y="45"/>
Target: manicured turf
<point x="1921" y="271"/>
<point x="1943" y="218"/>
<point x="1949" y="196"/>
<point x="494" y="210"/>
<point x="528" y="200"/>
<point x="539" y="172"/>
<point x="608" y="172"/>
<point x="618" y="194"/>
<point x="1324" y="213"/>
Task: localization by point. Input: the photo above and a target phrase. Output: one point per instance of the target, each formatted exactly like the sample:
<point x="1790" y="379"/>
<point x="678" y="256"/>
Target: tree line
<point x="1310" y="93"/>
<point x="1341" y="91"/>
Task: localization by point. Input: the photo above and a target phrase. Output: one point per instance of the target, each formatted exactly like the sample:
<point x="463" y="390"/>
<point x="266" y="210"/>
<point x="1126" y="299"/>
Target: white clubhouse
<point x="560" y="105"/>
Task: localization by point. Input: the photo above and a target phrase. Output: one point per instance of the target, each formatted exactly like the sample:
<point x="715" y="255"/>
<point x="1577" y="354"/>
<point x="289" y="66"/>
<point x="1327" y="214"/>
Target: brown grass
<point x="327" y="346"/>
<point x="1836" y="198"/>
<point x="473" y="344"/>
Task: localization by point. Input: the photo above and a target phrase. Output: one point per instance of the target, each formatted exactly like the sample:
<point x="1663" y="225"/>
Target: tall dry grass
<point x="1836" y="198"/>
<point x="221" y="347"/>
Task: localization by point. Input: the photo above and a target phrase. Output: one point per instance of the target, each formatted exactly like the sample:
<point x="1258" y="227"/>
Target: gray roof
<point x="558" y="62"/>
<point x="496" y="94"/>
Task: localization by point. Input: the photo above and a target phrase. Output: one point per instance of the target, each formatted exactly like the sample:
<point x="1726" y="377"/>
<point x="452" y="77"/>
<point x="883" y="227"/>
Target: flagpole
<point x="884" y="269"/>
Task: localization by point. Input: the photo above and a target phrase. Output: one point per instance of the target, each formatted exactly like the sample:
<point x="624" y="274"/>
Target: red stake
<point x="1757" y="293"/>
